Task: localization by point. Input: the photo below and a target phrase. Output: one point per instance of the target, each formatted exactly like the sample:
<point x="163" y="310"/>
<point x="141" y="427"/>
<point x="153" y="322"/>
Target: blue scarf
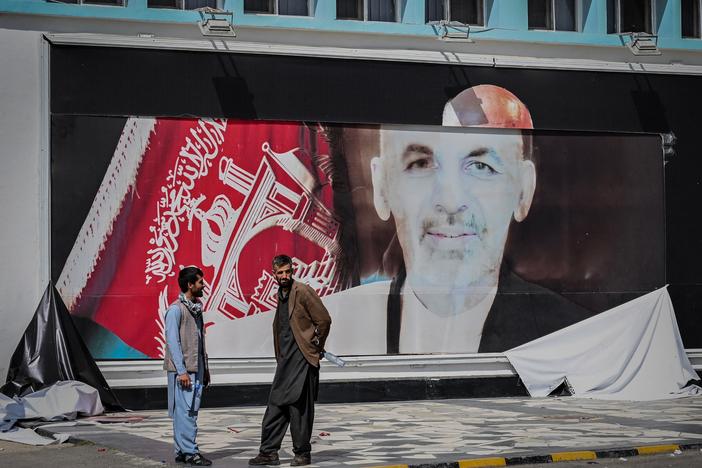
<point x="195" y="308"/>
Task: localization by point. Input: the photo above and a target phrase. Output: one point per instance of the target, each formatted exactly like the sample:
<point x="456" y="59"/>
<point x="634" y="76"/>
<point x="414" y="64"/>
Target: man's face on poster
<point x="452" y="194"/>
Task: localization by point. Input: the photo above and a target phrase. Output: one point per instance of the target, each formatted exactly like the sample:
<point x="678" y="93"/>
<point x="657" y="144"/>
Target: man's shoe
<point x="180" y="458"/>
<point x="197" y="460"/>
<point x="265" y="459"/>
<point x="301" y="460"/>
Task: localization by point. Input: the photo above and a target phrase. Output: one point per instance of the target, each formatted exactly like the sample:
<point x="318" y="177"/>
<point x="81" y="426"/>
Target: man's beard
<point x="284" y="283"/>
<point x="199" y="293"/>
<point x="467" y="264"/>
<point x="453" y="226"/>
<point x="457" y="222"/>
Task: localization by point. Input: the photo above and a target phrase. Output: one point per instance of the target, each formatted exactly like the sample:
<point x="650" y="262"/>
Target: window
<point x="625" y="16"/>
<point x="92" y="2"/>
<point x="462" y="11"/>
<point x="278" y="7"/>
<point x="366" y="10"/>
<point x="690" y="16"/>
<point x="182" y="4"/>
<point x="552" y="15"/>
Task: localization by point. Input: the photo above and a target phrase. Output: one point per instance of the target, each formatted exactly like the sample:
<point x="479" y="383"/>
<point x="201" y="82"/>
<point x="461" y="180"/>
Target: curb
<point x="45" y="432"/>
<point x="554" y="457"/>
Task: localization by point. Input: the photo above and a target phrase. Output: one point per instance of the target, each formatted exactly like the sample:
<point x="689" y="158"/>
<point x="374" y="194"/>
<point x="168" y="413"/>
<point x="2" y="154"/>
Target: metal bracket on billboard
<point x="452" y="31"/>
<point x="668" y="141"/>
<point x="641" y="43"/>
<point x="214" y="22"/>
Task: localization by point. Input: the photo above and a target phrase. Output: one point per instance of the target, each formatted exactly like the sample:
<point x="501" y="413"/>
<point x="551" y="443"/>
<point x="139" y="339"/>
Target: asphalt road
<point x="87" y="455"/>
<point x="83" y="455"/>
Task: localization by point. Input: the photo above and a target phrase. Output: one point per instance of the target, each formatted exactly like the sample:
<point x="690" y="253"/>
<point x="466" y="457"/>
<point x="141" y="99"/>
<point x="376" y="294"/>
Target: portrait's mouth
<point x="450" y="238"/>
<point x="450" y="233"/>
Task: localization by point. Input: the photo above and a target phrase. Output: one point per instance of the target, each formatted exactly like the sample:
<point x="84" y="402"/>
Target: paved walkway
<point x="421" y="432"/>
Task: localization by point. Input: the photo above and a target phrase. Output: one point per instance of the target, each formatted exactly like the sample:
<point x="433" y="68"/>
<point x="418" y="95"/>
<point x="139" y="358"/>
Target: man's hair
<point x="528" y="145"/>
<point x="188" y="275"/>
<point x="280" y="260"/>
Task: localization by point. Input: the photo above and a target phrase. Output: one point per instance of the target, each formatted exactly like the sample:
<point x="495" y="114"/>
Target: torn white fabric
<point x="62" y="401"/>
<point x="631" y="352"/>
<point x="29" y="437"/>
<point x="9" y="409"/>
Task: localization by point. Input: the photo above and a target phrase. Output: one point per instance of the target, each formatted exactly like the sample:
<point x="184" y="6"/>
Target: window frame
<point x="578" y="20"/>
<point x="398" y="18"/>
<point x="699" y="21"/>
<point x="122" y="3"/>
<point x="276" y="10"/>
<point x="218" y="4"/>
<point x="618" y="22"/>
<point x="447" y="15"/>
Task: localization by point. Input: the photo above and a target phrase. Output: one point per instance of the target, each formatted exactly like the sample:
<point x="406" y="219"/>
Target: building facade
<point x="101" y="99"/>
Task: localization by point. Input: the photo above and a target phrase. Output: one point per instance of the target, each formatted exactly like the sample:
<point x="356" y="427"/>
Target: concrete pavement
<point x="429" y="433"/>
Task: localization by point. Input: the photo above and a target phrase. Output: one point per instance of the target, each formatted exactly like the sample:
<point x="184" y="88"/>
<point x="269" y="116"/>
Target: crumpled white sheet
<point x="631" y="352"/>
<point x="62" y="401"/>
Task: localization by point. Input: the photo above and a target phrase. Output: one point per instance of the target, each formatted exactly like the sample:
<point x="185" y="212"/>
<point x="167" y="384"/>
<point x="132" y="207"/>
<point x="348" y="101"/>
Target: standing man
<point x="186" y="363"/>
<point x="300" y="329"/>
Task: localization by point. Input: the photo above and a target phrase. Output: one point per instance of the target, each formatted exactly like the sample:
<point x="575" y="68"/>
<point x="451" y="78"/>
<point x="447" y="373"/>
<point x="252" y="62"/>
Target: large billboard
<point x="473" y="236"/>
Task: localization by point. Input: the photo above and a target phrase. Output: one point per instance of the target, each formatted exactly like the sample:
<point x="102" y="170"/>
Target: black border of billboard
<point x="111" y="81"/>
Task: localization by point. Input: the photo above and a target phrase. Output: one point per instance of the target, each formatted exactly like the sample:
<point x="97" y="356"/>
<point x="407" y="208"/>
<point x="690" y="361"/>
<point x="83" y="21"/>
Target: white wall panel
<point x="23" y="190"/>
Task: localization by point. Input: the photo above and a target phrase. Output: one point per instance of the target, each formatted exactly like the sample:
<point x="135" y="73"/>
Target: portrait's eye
<point x="421" y="165"/>
<point x="479" y="169"/>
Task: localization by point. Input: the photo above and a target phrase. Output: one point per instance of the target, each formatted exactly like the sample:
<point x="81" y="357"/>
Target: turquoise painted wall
<point x="506" y="20"/>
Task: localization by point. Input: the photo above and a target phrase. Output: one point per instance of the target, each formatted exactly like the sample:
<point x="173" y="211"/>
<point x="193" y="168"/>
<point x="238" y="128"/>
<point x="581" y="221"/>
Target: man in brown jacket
<point x="300" y="328"/>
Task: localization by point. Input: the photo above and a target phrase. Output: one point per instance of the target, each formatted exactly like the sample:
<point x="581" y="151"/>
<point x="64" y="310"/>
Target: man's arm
<point x="173" y="340"/>
<point x="319" y="315"/>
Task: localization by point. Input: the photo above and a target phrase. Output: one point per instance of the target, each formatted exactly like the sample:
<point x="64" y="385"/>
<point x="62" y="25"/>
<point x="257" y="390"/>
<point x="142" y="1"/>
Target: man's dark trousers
<point x="300" y="417"/>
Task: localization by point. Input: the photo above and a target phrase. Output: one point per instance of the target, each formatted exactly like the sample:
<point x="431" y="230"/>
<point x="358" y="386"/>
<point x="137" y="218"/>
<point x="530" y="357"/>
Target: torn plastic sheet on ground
<point x="631" y="352"/>
<point x="51" y="350"/>
<point x="62" y="401"/>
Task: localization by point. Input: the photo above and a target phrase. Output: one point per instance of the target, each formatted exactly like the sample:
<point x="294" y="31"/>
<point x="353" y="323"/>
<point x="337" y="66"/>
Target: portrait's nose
<point x="449" y="198"/>
<point x="450" y="211"/>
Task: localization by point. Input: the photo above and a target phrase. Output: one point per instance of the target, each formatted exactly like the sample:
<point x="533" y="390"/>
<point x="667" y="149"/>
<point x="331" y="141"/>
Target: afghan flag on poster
<point x="223" y="195"/>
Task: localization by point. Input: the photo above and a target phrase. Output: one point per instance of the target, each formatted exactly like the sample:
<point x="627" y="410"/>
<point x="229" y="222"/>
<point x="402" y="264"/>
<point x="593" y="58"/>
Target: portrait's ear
<point x="527" y="181"/>
<point x="380" y="200"/>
